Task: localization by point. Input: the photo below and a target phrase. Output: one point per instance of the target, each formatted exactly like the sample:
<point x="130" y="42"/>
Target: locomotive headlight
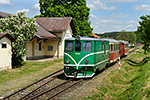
<point x="86" y="62"/>
<point x="68" y="61"/>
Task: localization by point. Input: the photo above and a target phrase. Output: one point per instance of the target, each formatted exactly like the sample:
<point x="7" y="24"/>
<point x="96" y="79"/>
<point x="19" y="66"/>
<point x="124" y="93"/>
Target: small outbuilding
<point x="5" y="50"/>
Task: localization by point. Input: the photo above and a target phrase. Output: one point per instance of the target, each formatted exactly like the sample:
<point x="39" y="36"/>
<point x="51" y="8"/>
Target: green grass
<point x="132" y="82"/>
<point x="27" y="69"/>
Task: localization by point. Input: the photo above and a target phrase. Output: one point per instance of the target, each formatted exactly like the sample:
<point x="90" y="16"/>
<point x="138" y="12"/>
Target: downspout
<point x="58" y="48"/>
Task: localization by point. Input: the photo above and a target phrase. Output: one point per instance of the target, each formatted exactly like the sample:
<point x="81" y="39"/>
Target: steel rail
<point x="30" y="85"/>
<point x="44" y="92"/>
<point x="27" y="95"/>
<point x="64" y="90"/>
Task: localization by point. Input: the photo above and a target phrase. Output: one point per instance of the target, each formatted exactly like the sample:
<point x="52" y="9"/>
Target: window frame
<point x="72" y="46"/>
<point x="83" y="47"/>
<point x="49" y="48"/>
<point x="80" y="46"/>
<point x="4" y="47"/>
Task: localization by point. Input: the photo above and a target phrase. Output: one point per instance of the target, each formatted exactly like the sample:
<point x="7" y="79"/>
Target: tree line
<point x="131" y="37"/>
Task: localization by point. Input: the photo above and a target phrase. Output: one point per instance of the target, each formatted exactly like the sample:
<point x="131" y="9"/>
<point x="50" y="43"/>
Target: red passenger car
<point x="114" y="50"/>
<point x="123" y="47"/>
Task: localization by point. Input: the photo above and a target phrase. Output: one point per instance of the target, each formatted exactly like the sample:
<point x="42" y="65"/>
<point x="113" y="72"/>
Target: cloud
<point x="92" y="16"/>
<point x="132" y="22"/>
<point x="23" y="10"/>
<point x="36" y="7"/>
<point x="120" y="1"/>
<point x="116" y="27"/>
<point x="129" y="26"/>
<point x="142" y="7"/>
<point x="120" y="15"/>
<point x="5" y="2"/>
<point x="97" y="5"/>
<point x="110" y="21"/>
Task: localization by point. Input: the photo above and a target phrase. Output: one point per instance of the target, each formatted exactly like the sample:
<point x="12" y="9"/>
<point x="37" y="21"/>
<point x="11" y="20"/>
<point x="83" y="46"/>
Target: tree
<point x="143" y="31"/>
<point x="22" y="29"/>
<point x="123" y="35"/>
<point x="132" y="38"/>
<point x="76" y="9"/>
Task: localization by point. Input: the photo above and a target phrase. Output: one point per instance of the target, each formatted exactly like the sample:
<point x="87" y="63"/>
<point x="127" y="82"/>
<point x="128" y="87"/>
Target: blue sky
<point x="105" y="15"/>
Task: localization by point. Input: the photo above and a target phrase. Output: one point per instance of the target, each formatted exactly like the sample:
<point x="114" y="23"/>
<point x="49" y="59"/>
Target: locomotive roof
<point x="86" y="38"/>
<point x="111" y="40"/>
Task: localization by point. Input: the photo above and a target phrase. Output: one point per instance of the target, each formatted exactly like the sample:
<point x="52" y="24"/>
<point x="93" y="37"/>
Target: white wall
<point x="5" y="54"/>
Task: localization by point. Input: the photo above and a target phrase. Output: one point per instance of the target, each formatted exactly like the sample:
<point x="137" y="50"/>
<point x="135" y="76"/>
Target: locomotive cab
<point x="80" y="57"/>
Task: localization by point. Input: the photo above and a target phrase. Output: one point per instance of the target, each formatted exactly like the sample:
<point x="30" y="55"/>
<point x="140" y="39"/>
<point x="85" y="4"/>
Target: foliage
<point x="132" y="38"/>
<point x="109" y="34"/>
<point x="123" y="35"/>
<point x="76" y="9"/>
<point x="144" y="31"/>
<point x="22" y="29"/>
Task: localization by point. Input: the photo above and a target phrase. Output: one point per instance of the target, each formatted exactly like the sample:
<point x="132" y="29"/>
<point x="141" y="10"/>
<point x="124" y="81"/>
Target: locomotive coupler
<point x="75" y="73"/>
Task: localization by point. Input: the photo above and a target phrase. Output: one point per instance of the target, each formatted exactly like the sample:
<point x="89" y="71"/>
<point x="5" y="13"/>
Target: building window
<point x="40" y="46"/>
<point x="4" y="45"/>
<point x="50" y="48"/>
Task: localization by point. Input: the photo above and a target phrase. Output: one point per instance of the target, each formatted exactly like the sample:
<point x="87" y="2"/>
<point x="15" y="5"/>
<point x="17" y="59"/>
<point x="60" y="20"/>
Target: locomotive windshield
<point x="78" y="46"/>
<point x="87" y="46"/>
<point x="69" y="46"/>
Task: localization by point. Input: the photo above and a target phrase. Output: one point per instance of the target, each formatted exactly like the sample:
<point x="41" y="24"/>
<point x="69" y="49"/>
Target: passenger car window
<point x="78" y="46"/>
<point x="69" y="46"/>
<point x="87" y="46"/>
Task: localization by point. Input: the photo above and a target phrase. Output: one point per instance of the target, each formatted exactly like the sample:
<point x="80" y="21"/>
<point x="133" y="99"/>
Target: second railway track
<point x="52" y="93"/>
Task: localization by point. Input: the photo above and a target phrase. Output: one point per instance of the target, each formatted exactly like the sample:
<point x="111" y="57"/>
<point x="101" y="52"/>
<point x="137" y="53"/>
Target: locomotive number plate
<point x="77" y="53"/>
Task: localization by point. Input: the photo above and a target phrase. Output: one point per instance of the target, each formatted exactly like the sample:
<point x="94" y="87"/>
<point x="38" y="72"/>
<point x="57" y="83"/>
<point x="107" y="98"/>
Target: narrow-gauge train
<point x="83" y="56"/>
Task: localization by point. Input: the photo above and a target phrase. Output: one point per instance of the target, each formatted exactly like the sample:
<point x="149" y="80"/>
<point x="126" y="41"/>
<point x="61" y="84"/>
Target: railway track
<point x="33" y="88"/>
<point x="55" y="91"/>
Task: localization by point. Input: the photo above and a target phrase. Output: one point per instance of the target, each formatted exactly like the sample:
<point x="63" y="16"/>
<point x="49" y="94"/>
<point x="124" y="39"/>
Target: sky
<point x="105" y="15"/>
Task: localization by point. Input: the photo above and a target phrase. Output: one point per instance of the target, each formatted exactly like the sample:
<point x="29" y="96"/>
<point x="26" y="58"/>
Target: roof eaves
<point x="68" y="24"/>
<point x="50" y="38"/>
<point x="9" y="36"/>
<point x="37" y="36"/>
<point x="2" y="16"/>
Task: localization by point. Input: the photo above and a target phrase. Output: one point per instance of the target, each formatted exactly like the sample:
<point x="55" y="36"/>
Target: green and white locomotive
<point x="83" y="56"/>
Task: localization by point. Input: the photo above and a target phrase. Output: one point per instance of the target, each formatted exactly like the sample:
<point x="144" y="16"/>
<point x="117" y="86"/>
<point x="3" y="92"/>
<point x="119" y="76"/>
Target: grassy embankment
<point x="132" y="82"/>
<point x="28" y="73"/>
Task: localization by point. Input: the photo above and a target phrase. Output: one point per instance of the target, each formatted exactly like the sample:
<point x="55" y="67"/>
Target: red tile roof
<point x="56" y="24"/>
<point x="43" y="33"/>
<point x="95" y="35"/>
<point x="110" y="38"/>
